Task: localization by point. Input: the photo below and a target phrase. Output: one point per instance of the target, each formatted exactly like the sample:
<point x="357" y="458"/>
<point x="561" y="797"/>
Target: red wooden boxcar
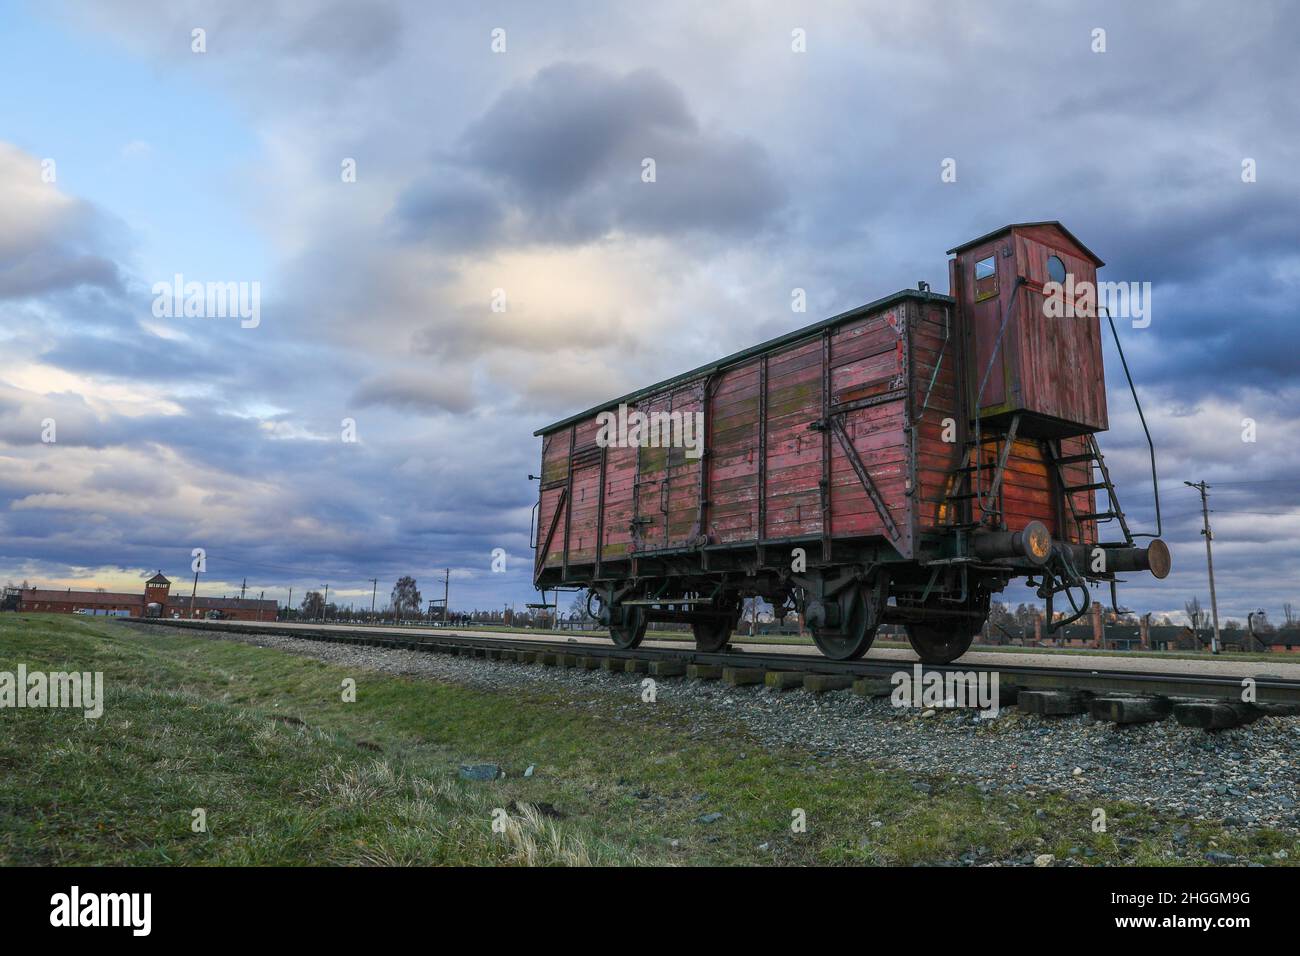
<point x="842" y="468"/>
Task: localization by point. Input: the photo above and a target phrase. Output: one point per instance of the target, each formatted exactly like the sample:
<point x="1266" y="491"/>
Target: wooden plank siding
<point x="767" y="455"/>
<point x="1049" y="368"/>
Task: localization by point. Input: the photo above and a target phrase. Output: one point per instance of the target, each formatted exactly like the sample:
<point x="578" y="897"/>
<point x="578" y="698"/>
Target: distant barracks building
<point x="156" y="601"/>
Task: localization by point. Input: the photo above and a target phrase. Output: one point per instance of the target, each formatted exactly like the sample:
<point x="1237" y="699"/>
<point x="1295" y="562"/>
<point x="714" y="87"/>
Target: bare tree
<point x="1001" y="620"/>
<point x="405" y="596"/>
<point x="1025" y="615"/>
<point x="1288" y="614"/>
<point x="1195" y="614"/>
<point x="313" y="605"/>
<point x="578" y="607"/>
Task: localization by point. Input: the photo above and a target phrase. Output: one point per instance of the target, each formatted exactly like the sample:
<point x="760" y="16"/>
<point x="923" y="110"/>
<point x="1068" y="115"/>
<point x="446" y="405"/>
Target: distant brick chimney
<point x="1098" y="628"/>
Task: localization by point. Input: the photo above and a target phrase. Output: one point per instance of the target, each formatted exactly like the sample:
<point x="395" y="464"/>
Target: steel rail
<point x="1098" y="681"/>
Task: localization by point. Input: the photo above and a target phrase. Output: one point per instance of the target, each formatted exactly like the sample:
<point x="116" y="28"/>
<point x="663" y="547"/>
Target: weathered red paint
<point x="767" y="456"/>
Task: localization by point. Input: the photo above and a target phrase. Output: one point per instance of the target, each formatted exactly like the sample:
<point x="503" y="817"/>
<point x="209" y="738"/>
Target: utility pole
<point x="242" y="588"/>
<point x="288" y="607"/>
<point x="193" y="593"/>
<point x="446" y="593"/>
<point x="1203" y="488"/>
<point x="325" y="601"/>
<point x="374" y="590"/>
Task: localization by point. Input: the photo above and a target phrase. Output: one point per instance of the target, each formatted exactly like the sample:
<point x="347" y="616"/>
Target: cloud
<point x="522" y="172"/>
<point x="47" y="240"/>
<point x="560" y="158"/>
<point x="436" y="390"/>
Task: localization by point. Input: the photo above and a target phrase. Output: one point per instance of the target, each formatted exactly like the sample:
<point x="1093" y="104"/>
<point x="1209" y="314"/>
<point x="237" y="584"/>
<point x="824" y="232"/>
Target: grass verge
<point x="286" y="772"/>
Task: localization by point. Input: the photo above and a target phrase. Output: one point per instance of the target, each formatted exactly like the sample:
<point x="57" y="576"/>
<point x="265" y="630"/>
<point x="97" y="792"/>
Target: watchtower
<point x="156" y="590"/>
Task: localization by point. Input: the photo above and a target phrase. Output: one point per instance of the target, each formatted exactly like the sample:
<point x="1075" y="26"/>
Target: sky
<point x="381" y="170"/>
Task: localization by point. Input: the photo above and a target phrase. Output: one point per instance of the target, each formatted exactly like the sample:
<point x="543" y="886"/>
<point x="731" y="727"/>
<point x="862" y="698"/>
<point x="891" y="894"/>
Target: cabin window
<point x="986" y="279"/>
<point x="1055" y="269"/>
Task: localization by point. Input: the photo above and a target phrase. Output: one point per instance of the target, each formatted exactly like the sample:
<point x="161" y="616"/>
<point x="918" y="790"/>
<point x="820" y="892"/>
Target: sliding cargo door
<point x="667" y="500"/>
<point x="735" y="450"/>
<point x="553" y="501"/>
<point x="584" y="496"/>
<point x="792" y="494"/>
<point x="687" y="418"/>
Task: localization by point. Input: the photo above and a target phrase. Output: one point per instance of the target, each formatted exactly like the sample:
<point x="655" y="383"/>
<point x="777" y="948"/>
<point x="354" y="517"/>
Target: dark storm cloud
<point x="435" y="390"/>
<point x="54" y="268"/>
<point x="50" y="245"/>
<point x="343" y="33"/>
<point x="352" y="508"/>
<point x="337" y="36"/>
<point x="457" y="214"/>
<point x="564" y="130"/>
<point x="149" y="358"/>
<point x="565" y="151"/>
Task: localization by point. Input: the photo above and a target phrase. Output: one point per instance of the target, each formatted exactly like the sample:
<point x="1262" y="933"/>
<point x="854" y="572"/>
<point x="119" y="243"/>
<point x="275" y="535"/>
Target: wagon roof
<point x="789" y="337"/>
<point x="1029" y="225"/>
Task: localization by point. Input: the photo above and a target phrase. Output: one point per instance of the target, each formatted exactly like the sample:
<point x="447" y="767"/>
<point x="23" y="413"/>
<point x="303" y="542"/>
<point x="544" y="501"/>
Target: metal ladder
<point x="970" y="466"/>
<point x="1091" y="454"/>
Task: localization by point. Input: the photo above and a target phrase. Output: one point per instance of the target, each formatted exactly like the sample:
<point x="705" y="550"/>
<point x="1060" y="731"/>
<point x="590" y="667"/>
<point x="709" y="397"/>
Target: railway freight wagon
<point x="900" y="462"/>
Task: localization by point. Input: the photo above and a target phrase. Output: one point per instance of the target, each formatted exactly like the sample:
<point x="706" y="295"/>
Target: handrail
<point x="938" y="363"/>
<point x="1155" y="483"/>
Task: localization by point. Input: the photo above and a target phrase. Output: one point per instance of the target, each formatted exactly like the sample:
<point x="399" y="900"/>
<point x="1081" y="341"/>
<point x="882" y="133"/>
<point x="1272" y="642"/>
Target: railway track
<point x="1124" y="696"/>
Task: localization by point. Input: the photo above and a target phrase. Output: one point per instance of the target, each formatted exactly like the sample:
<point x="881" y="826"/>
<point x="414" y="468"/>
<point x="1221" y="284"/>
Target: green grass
<point x="290" y="774"/>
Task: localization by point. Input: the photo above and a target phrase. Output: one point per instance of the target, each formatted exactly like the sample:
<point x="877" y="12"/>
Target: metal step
<point x="1096" y="516"/>
<point x="1095" y="486"/>
<point x="1075" y="459"/>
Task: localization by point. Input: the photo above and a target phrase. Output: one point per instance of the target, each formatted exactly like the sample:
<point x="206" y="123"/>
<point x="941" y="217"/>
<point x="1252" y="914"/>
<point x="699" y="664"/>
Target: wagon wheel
<point x="712" y="636"/>
<point x="854" y="639"/>
<point x="941" y="642"/>
<point x="631" y="631"/>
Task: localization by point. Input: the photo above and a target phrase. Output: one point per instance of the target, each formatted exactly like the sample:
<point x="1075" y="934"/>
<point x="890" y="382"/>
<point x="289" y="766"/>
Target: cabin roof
<point x="1027" y="225"/>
